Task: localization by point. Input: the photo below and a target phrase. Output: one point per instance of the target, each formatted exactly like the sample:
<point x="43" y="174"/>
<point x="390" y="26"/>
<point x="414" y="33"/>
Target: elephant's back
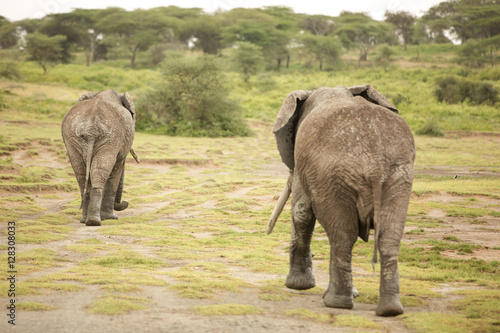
<point x="352" y="141"/>
<point x="101" y="116"/>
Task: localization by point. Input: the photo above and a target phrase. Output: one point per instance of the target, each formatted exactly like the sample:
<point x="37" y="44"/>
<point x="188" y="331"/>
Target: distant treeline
<point x="103" y="34"/>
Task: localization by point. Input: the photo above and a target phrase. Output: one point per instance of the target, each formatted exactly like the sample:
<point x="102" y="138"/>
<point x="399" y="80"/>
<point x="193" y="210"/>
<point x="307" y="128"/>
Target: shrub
<point x="191" y="99"/>
<point x="9" y="70"/>
<point x="431" y="127"/>
<point x="453" y="90"/>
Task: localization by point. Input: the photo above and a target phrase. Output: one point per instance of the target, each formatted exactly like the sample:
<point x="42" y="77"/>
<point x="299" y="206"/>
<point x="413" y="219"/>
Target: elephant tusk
<point x="134" y="155"/>
<point x="280" y="204"/>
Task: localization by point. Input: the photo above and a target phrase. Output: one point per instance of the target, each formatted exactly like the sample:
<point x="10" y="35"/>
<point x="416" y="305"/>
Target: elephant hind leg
<point x="392" y="221"/>
<point x="340" y="223"/>
<point x="108" y="202"/>
<point x="300" y="276"/>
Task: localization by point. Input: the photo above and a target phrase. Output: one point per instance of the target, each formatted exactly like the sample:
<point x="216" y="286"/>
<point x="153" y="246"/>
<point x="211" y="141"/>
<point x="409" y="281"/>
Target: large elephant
<point x="98" y="133"/>
<point x="351" y="159"/>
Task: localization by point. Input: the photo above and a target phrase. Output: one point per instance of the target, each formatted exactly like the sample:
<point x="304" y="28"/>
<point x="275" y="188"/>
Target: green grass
<point x="116" y="305"/>
<point x="33" y="306"/>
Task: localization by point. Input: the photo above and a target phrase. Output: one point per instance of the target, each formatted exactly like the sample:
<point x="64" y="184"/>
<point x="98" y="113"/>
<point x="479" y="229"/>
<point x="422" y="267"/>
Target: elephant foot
<point x="300" y="281"/>
<point x="83" y="219"/>
<point x="108" y="216"/>
<point x="389" y="306"/>
<point x="338" y="301"/>
<point x="93" y="222"/>
<point x="120" y="206"/>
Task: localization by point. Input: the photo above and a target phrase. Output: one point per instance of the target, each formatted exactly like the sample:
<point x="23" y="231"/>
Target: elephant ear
<point x="128" y="103"/>
<point x="87" y="95"/>
<point x="285" y="125"/>
<point x="372" y="95"/>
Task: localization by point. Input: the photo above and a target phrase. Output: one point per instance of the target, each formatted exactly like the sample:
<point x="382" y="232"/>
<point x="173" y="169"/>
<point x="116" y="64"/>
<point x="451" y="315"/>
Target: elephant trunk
<point x="119" y="204"/>
<point x="280" y="204"/>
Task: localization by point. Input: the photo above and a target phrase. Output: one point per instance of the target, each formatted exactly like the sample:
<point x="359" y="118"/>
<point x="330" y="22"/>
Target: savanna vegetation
<point x="192" y="244"/>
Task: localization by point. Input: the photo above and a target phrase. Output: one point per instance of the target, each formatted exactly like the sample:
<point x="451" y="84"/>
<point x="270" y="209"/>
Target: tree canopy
<point x="114" y="32"/>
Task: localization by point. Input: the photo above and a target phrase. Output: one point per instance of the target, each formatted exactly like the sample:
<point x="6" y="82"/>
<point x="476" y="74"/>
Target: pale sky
<point x="21" y="9"/>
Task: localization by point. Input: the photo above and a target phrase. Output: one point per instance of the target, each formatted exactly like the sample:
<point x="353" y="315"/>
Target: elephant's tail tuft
<point x="377" y="198"/>
<point x="90" y="149"/>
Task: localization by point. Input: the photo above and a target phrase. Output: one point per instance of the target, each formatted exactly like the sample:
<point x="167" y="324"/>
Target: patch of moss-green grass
<point x="423" y="260"/>
<point x="425" y="222"/>
<point x="35" y="260"/>
<point x="104" y="275"/>
<point x="275" y="290"/>
<point x="33" y="306"/>
<point x="116" y="304"/>
<point x="436" y="322"/>
<point x="452" y="210"/>
<point x="37" y="232"/>
<point x="36" y="287"/>
<point x="55" y="219"/>
<point x="201" y="280"/>
<point x="351" y="321"/>
<point x="121" y="288"/>
<point x="481" y="304"/>
<point x="412" y="292"/>
<point x="124" y="259"/>
<point x="227" y="310"/>
<point x="487" y="186"/>
<point x="92" y="248"/>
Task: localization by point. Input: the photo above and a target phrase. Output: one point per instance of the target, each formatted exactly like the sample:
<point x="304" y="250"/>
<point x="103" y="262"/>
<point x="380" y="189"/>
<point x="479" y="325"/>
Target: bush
<point x="453" y="90"/>
<point x="9" y="70"/>
<point x="191" y="99"/>
<point x="431" y="127"/>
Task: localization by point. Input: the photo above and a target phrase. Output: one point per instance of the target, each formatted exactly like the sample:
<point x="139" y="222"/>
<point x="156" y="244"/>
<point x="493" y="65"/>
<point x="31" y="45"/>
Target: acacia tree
<point x="360" y="30"/>
<point x="207" y="31"/>
<point x="247" y="57"/>
<point x="318" y="25"/>
<point x="403" y="23"/>
<point x="43" y="48"/>
<point x="138" y="30"/>
<point x="326" y="49"/>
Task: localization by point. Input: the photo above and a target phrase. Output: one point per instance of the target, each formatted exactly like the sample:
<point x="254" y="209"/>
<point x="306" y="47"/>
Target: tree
<point x="247" y="57"/>
<point x="191" y="99"/>
<point x="80" y="27"/>
<point x="138" y="30"/>
<point x="475" y="23"/>
<point x="43" y="48"/>
<point x="403" y="23"/>
<point x="318" y="25"/>
<point x="465" y="19"/>
<point x="360" y="30"/>
<point x="326" y="49"/>
<point x="207" y="31"/>
<point x="384" y="56"/>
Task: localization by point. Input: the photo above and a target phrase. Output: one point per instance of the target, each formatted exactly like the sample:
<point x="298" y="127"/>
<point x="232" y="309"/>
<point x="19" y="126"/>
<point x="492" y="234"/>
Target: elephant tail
<point x="280" y="204"/>
<point x="90" y="149"/>
<point x="377" y="204"/>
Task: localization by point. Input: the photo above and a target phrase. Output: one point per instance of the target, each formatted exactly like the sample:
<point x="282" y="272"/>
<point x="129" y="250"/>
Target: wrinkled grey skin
<point x="351" y="161"/>
<point x="98" y="133"/>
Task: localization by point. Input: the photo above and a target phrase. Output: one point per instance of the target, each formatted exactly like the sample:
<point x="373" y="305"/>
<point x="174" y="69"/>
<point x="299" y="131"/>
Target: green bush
<point x="453" y="90"/>
<point x="431" y="127"/>
<point x="9" y="70"/>
<point x="191" y="99"/>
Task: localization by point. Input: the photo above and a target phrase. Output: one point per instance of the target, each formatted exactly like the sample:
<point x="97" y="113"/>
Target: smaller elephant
<point x="98" y="133"/>
<point x="350" y="157"/>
